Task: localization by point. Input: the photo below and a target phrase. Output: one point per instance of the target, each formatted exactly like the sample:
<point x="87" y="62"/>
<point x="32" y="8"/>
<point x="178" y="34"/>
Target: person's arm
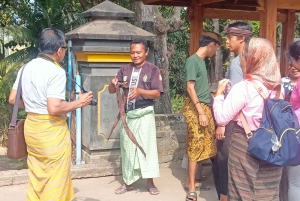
<point x="156" y="87"/>
<point x="12" y="99"/>
<point x="55" y="93"/>
<point x="13" y="93"/>
<point x="57" y="106"/>
<point x="294" y="101"/>
<point x="150" y="94"/>
<point x="190" y="87"/>
<point x="191" y="72"/>
<point x="112" y="87"/>
<point x="236" y="100"/>
<point x="220" y="133"/>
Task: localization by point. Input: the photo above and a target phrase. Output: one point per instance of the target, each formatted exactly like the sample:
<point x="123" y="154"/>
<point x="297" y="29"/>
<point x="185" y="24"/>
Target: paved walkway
<point x="102" y="189"/>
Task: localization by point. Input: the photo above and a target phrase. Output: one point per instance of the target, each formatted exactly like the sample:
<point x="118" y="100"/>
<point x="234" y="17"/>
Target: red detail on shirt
<point x="159" y="76"/>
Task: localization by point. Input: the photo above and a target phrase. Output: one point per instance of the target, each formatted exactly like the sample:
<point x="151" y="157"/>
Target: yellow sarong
<point x="201" y="140"/>
<point x="49" y="158"/>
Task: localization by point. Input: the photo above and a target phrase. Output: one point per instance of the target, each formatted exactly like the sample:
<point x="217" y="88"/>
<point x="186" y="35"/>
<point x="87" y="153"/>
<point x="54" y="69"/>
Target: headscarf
<point x="262" y="64"/>
<point x="237" y="32"/>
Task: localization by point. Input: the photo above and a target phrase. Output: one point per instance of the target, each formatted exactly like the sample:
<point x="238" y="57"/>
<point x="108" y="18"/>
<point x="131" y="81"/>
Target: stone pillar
<point x="102" y="47"/>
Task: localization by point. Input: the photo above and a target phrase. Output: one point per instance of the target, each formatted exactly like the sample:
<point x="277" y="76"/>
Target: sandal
<point x="191" y="196"/>
<point x="122" y="190"/>
<point x="201" y="187"/>
<point x="153" y="191"/>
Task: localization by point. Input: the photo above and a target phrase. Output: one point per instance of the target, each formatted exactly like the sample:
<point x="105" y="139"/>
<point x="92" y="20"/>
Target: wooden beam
<point x="239" y="3"/>
<point x="288" y="30"/>
<point x="181" y="3"/>
<point x="288" y="4"/>
<point x="268" y="21"/>
<point x="238" y="15"/>
<point x="231" y="7"/>
<point x="195" y="13"/>
<point x="203" y="2"/>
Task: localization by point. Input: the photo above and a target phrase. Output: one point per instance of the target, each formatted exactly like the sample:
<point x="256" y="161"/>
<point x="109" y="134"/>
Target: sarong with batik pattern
<point x="134" y="164"/>
<point x="201" y="140"/>
<point x="250" y="179"/>
<point x="49" y="158"/>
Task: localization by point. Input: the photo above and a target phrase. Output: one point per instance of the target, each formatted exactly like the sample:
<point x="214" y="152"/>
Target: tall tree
<point x="150" y="19"/>
<point x="218" y="73"/>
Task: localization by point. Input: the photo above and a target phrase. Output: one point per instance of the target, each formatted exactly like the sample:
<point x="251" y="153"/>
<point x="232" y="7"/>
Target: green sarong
<point x="134" y="164"/>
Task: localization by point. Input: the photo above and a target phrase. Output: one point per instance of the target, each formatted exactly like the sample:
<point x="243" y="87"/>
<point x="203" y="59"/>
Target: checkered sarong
<point x="134" y="164"/>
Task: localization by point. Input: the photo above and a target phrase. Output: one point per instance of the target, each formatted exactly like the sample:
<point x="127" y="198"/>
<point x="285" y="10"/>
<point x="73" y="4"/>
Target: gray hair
<point x="50" y="40"/>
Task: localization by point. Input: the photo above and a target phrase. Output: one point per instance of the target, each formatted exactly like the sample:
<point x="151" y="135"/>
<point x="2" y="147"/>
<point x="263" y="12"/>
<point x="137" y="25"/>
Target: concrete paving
<point x="102" y="189"/>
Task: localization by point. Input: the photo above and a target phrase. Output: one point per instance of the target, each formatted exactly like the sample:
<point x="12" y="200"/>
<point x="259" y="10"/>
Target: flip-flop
<point x="202" y="187"/>
<point x="153" y="191"/>
<point x="122" y="190"/>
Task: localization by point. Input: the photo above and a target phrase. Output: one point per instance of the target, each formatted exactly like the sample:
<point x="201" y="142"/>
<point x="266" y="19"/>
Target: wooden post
<point x="268" y="21"/>
<point x="271" y="16"/>
<point x="262" y="31"/>
<point x="288" y="30"/>
<point x="196" y="18"/>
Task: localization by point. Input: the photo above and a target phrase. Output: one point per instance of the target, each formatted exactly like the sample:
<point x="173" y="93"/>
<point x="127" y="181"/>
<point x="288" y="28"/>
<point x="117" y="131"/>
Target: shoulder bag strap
<point x="13" y="121"/>
<point x="242" y="116"/>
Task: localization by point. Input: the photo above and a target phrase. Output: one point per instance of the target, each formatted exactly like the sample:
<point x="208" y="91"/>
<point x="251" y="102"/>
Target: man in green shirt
<point x="201" y="143"/>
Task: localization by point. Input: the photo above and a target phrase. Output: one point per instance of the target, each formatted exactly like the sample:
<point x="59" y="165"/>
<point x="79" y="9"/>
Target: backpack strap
<point x="259" y="89"/>
<point x="247" y="129"/>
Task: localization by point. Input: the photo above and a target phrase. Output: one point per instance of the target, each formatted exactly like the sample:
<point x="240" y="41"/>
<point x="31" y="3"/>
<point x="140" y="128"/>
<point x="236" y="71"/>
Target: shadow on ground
<point x="76" y="190"/>
<point x="85" y="199"/>
<point x="10" y="164"/>
<point x="206" y="178"/>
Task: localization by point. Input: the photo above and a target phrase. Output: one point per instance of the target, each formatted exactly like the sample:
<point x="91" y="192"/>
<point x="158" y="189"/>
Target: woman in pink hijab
<point x="250" y="179"/>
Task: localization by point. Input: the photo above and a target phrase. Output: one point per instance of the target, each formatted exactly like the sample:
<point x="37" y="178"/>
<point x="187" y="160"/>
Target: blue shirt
<point x="234" y="73"/>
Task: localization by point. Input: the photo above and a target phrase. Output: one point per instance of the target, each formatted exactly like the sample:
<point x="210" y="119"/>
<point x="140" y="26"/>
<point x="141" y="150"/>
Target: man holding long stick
<point x="145" y="85"/>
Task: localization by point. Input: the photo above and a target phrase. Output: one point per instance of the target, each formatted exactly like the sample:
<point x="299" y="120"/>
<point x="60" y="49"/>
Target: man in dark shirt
<point x="145" y="85"/>
<point x="238" y="34"/>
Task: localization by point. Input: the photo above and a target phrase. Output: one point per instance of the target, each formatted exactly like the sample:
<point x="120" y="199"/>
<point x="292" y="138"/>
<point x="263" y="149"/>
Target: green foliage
<point x="19" y="36"/>
<point x="16" y="60"/>
<point x="177" y="103"/>
<point x="181" y="40"/>
<point x="297" y="30"/>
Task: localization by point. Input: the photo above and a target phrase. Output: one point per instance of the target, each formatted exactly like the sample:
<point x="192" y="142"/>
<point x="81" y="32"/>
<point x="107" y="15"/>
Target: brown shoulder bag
<point x="16" y="142"/>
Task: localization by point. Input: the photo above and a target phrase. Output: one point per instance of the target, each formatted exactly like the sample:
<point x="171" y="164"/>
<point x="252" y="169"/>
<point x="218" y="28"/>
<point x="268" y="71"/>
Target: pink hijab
<point x="262" y="64"/>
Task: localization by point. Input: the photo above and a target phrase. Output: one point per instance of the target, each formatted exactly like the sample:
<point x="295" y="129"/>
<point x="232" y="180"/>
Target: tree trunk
<point x="149" y="18"/>
<point x="218" y="74"/>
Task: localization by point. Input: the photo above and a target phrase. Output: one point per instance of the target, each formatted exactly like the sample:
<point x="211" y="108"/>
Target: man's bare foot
<point x="123" y="189"/>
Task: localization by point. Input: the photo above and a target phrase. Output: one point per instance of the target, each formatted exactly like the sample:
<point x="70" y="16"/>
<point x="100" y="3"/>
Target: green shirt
<point x="195" y="70"/>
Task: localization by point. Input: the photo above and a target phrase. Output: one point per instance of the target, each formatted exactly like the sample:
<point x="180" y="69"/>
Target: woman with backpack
<point x="294" y="172"/>
<point x="250" y="179"/>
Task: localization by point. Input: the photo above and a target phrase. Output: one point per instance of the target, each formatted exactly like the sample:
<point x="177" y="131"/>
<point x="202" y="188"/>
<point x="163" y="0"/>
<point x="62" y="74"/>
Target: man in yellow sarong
<point x="201" y="143"/>
<point x="46" y="131"/>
